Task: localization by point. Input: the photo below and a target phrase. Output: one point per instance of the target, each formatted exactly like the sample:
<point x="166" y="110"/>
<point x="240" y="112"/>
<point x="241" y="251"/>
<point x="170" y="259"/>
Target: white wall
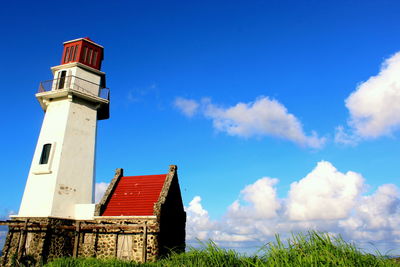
<point x="79" y="77"/>
<point x="55" y="188"/>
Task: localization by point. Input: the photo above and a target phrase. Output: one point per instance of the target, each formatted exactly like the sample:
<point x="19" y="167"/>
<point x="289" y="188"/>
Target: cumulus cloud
<point x="325" y="193"/>
<point x="100" y="189"/>
<point x="261" y="199"/>
<point x="187" y="106"/>
<point x="263" y="117"/>
<point x="378" y="215"/>
<point x="374" y="105"/>
<point x="199" y="224"/>
<point x="325" y="199"/>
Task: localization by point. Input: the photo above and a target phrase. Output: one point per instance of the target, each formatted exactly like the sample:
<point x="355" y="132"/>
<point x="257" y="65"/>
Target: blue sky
<point x="246" y="97"/>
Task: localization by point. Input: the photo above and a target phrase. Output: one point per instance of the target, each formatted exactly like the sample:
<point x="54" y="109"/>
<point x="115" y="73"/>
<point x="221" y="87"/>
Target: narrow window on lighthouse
<point x="76" y="50"/>
<point x="71" y="53"/>
<point x="84" y="54"/>
<point x="66" y="55"/>
<point x="44" y="157"/>
<point x="95" y="58"/>
<point x="62" y="79"/>
<point x="90" y="56"/>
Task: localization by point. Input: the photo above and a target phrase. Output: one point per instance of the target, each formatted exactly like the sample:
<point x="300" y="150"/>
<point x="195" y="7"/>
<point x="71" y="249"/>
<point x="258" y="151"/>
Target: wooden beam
<point x="76" y="241"/>
<point x="144" y="249"/>
<point x="82" y="227"/>
<point x="95" y="243"/>
<point x="21" y="245"/>
<point x="116" y="246"/>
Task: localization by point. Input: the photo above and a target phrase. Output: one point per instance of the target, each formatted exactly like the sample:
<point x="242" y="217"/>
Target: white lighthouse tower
<point x="61" y="178"/>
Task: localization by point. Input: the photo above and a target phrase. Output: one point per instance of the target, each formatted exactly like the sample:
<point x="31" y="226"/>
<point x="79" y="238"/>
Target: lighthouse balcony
<point x="76" y="87"/>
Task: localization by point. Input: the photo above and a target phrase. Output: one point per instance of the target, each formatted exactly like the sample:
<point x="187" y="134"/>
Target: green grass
<point x="312" y="249"/>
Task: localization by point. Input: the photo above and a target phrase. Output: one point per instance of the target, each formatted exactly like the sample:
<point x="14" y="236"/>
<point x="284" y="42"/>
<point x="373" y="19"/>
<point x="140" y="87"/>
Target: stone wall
<point x="10" y="248"/>
<point x="106" y="245"/>
<point x="36" y="240"/>
<point x="135" y="239"/>
<point x="40" y="240"/>
<point x="138" y="238"/>
<point x="87" y="244"/>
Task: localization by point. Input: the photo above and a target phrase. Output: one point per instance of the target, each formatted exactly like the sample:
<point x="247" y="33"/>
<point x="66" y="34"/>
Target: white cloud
<point x="377" y="212"/>
<point x="5" y="214"/>
<point x="198" y="221"/>
<point x="138" y="94"/>
<point x="345" y="138"/>
<point x="100" y="189"/>
<point x="263" y="117"/>
<point x="187" y="106"/>
<point x="324" y="193"/>
<point x="262" y="199"/>
<point x="325" y="199"/>
<point x="374" y="106"/>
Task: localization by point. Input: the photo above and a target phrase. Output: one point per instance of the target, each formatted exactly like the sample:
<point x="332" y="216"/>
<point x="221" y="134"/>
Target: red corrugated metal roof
<point x="135" y="195"/>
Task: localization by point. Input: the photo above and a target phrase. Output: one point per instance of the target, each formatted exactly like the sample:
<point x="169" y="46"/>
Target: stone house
<point x="139" y="218"/>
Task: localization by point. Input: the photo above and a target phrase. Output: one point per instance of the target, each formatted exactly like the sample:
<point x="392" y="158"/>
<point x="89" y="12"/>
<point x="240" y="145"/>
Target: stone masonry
<point x="38" y="240"/>
<point x="138" y="238"/>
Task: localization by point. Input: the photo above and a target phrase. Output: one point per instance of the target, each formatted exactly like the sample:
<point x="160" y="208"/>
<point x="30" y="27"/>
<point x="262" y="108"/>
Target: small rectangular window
<point x="76" y="51"/>
<point x="95" y="58"/>
<point x="90" y="56"/>
<point x="61" y="81"/>
<point x="84" y="54"/>
<point x="66" y="54"/>
<point x="71" y="53"/>
<point x="44" y="157"/>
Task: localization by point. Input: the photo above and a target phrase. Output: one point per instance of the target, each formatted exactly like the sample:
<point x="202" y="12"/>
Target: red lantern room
<point x="83" y="50"/>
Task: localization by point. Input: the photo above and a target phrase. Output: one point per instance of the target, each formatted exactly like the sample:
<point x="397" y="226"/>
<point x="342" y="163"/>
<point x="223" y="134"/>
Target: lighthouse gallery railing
<point x="75" y="83"/>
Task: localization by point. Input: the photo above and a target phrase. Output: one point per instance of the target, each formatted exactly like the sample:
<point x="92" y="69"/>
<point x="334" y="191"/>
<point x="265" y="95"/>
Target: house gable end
<point x="100" y="207"/>
<point x="172" y="216"/>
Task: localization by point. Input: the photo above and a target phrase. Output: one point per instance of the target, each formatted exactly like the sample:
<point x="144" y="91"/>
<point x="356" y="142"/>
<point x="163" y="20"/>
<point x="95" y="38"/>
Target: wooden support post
<point x="21" y="245"/>
<point x="45" y="240"/>
<point x="19" y="241"/>
<point x="116" y="246"/>
<point x="96" y="240"/>
<point x="144" y="249"/>
<point x="76" y="241"/>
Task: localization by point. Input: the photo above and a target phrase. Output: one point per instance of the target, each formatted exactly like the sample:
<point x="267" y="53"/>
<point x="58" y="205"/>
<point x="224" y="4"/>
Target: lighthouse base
<point x="35" y="241"/>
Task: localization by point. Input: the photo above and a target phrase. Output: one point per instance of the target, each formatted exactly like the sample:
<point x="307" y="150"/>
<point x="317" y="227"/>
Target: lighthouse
<point x="139" y="217"/>
<point x="61" y="181"/>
